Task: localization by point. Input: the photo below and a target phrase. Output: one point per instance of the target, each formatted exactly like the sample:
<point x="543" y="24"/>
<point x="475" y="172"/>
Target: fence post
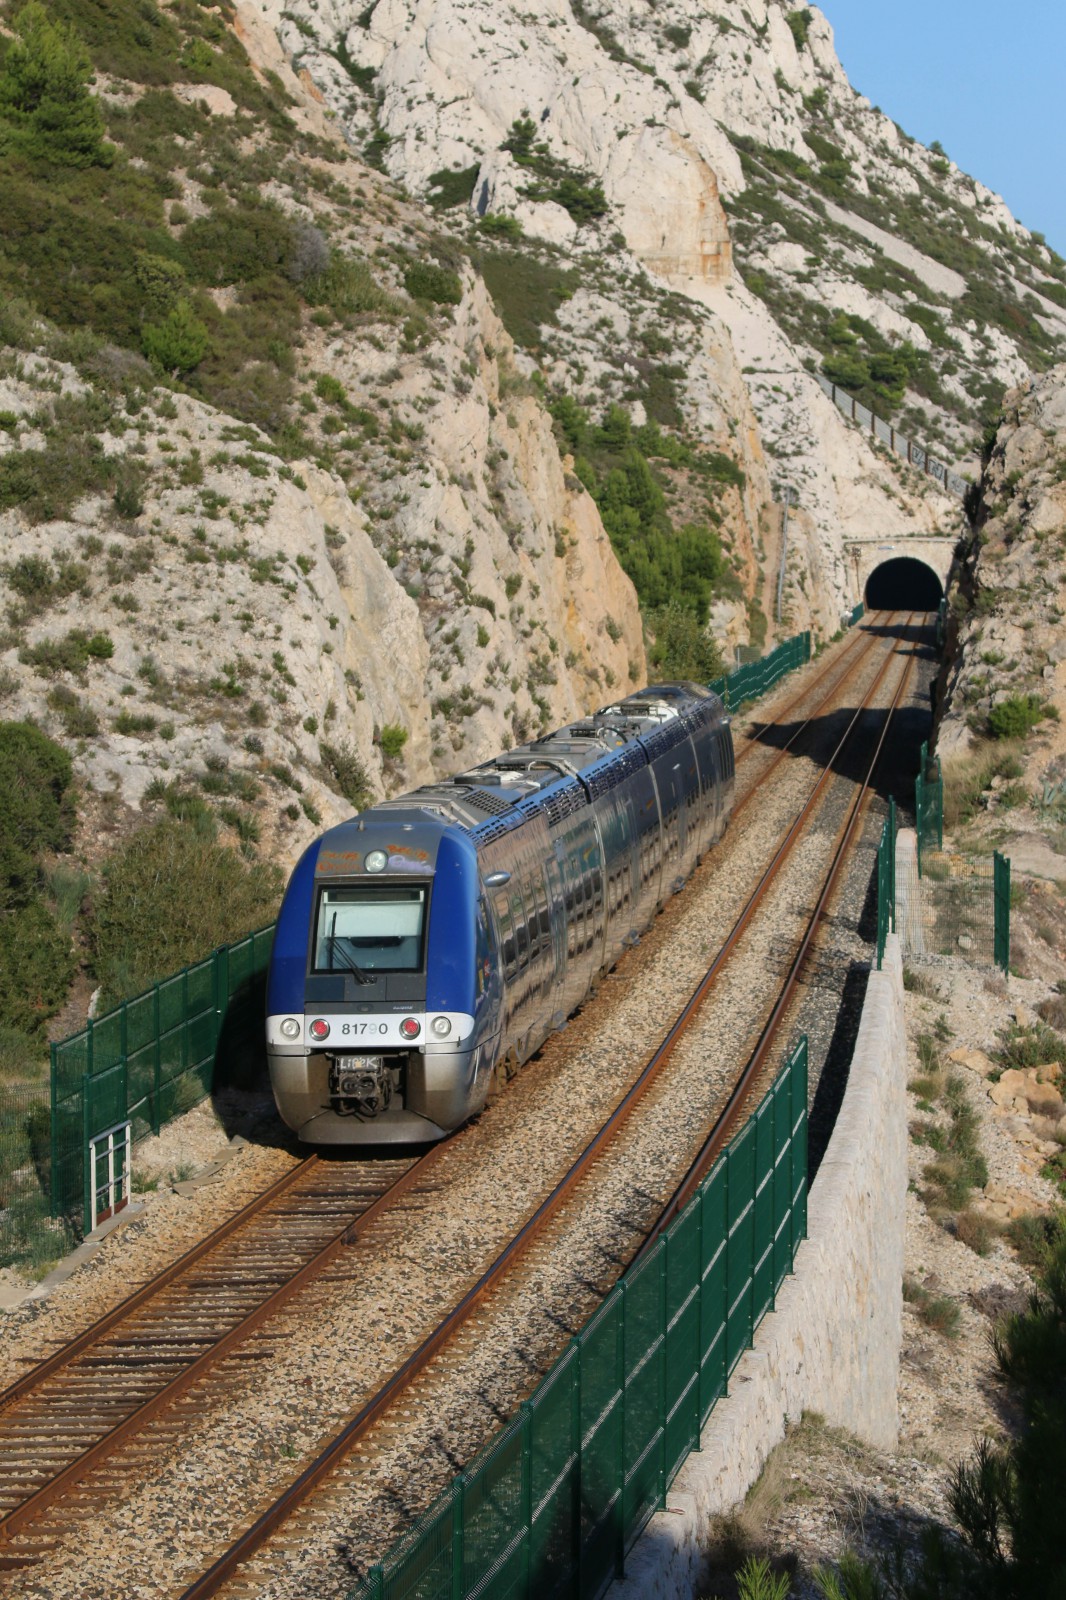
<point x="1001" y="911"/>
<point x="527" y="1487"/>
<point x="157" y="1074"/>
<point x="86" y="1126"/>
<point x="892" y="861"/>
<point x="53" y="1131"/>
<point x="620" y="1520"/>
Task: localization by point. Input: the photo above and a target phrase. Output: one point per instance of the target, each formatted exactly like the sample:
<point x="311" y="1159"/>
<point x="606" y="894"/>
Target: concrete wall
<point x="832" y="1343"/>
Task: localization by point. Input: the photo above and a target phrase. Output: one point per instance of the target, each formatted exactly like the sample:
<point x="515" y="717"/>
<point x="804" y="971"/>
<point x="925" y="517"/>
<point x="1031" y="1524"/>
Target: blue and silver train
<point x="428" y="946"/>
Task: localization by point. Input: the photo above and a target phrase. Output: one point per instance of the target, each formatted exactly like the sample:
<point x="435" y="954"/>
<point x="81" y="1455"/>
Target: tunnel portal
<point x="903" y="584"/>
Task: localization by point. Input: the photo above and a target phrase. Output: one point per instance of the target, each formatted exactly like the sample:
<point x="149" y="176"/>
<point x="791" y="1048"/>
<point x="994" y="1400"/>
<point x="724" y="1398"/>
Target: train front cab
<point x="383" y="1011"/>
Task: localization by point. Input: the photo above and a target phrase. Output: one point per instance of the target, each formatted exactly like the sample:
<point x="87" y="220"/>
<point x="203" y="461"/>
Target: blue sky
<point x="986" y="79"/>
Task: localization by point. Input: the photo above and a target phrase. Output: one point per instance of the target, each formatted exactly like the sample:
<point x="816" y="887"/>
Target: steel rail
<point x="730" y="1114"/>
<point x="834" y="689"/>
<point x="43" y="1498"/>
<point x="103" y="1325"/>
<point x="861" y="644"/>
<point x="332" y="1454"/>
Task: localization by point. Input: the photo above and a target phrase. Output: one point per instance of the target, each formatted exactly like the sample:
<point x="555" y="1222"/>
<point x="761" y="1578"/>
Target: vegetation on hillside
<point x="785" y="196"/>
<point x="97" y="238"/>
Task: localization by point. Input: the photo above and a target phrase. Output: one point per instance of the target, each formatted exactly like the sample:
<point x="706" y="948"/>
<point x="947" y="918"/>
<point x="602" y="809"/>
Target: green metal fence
<point x="1001" y="902"/>
<point x="929" y="805"/>
<point x="886" y="881"/>
<point x="756" y="678"/>
<point x="150" y="1059"/>
<point x="551" y="1506"/>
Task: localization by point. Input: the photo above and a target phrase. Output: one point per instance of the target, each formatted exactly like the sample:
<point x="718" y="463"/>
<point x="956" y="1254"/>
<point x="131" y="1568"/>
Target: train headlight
<point x="376" y="861"/>
<point x="441" y="1027"/>
<point x="290" y="1028"/>
<point x="410" y="1027"/>
<point x="319" y="1029"/>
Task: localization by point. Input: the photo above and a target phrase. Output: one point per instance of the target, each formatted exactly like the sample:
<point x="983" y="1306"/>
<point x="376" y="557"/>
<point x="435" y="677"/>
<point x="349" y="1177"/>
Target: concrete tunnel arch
<point x="903" y="584"/>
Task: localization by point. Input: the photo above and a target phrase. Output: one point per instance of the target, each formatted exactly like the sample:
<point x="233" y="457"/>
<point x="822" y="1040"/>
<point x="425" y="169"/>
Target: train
<point x="428" y="946"/>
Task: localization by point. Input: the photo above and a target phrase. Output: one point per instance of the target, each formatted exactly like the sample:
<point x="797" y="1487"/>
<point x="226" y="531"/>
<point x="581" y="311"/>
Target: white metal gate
<point x="109" y="1171"/>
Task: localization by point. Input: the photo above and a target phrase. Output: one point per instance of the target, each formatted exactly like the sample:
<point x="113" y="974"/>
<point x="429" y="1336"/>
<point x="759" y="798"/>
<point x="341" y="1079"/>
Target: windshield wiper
<point x="347" y="958"/>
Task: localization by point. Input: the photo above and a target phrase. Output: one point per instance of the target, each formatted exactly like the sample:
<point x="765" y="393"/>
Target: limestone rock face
<point x="682" y="116"/>
<point x="1007" y="637"/>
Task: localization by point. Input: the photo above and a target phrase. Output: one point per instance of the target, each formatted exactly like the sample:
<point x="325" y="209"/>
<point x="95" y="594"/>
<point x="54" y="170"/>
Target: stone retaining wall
<point x="832" y="1343"/>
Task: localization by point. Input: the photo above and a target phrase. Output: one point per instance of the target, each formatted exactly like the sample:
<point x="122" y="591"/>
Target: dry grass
<point x="937" y="1311"/>
<point x="966" y="777"/>
<point x="976" y="1231"/>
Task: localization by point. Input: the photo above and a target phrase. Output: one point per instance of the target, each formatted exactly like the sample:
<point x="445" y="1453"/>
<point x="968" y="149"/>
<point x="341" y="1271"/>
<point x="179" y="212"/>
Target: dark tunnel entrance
<point x="903" y="584"/>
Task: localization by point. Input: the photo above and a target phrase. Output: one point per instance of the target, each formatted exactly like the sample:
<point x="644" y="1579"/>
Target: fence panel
<point x="740" y="1246"/>
<point x="555" y="1481"/>
<point x="495" y="1515"/>
<point x="897" y="442"/>
<point x="601" y="1406"/>
<point x="553" y="1503"/>
<point x="756" y="678"/>
<point x="683" y="1256"/>
<point x="645" y="1351"/>
<point x="151" y="1058"/>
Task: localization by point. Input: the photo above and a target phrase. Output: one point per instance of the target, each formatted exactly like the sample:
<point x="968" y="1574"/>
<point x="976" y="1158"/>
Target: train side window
<point x="507" y="935"/>
<point x="521" y="932"/>
<point x="482" y="949"/>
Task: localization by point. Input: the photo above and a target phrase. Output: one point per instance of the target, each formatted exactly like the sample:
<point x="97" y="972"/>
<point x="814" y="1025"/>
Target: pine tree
<point x="44" y="95"/>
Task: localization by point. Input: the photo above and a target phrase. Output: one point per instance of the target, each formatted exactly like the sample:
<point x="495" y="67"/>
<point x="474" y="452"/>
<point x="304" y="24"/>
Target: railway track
<point x="148" y="1381"/>
<point x="65" y="1418"/>
<point x="339" y="1449"/>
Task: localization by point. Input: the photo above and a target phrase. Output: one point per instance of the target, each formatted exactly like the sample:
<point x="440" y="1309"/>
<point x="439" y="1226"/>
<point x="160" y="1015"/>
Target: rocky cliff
<point x="740" y="172"/>
<point x="1006" y="670"/>
<point x="328" y="576"/>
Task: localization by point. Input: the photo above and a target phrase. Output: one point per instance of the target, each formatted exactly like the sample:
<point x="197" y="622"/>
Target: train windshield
<point x="370" y="928"/>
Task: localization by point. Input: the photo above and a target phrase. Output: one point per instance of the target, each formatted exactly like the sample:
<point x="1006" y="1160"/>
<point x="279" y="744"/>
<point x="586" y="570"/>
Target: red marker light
<point x="319" y="1029"/>
<point x="410" y="1028"/>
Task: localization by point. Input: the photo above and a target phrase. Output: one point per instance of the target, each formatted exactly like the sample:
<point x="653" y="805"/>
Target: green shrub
<point x="44" y="95"/>
<point x="141" y="930"/>
<point x="179" y="343"/>
<point x="46" y="484"/>
<point x="452" y="187"/>
<point x="496" y="225"/>
<point x="800" y="23"/>
<point x="345" y="768"/>
<point x="1014" y="717"/>
<point x="36" y="966"/>
<point x="682" y="649"/>
<point x="393" y="738"/>
<point x="36" y="807"/>
<point x="424" y="280"/>
<point x="526" y="291"/>
<point x="938" y="1311"/>
<point x="79" y="720"/>
<point x="348" y="288"/>
<point x="71" y="653"/>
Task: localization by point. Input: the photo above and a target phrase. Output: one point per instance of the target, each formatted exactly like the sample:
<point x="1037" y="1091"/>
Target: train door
<point x="553" y="881"/>
<point x="671" y="807"/>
